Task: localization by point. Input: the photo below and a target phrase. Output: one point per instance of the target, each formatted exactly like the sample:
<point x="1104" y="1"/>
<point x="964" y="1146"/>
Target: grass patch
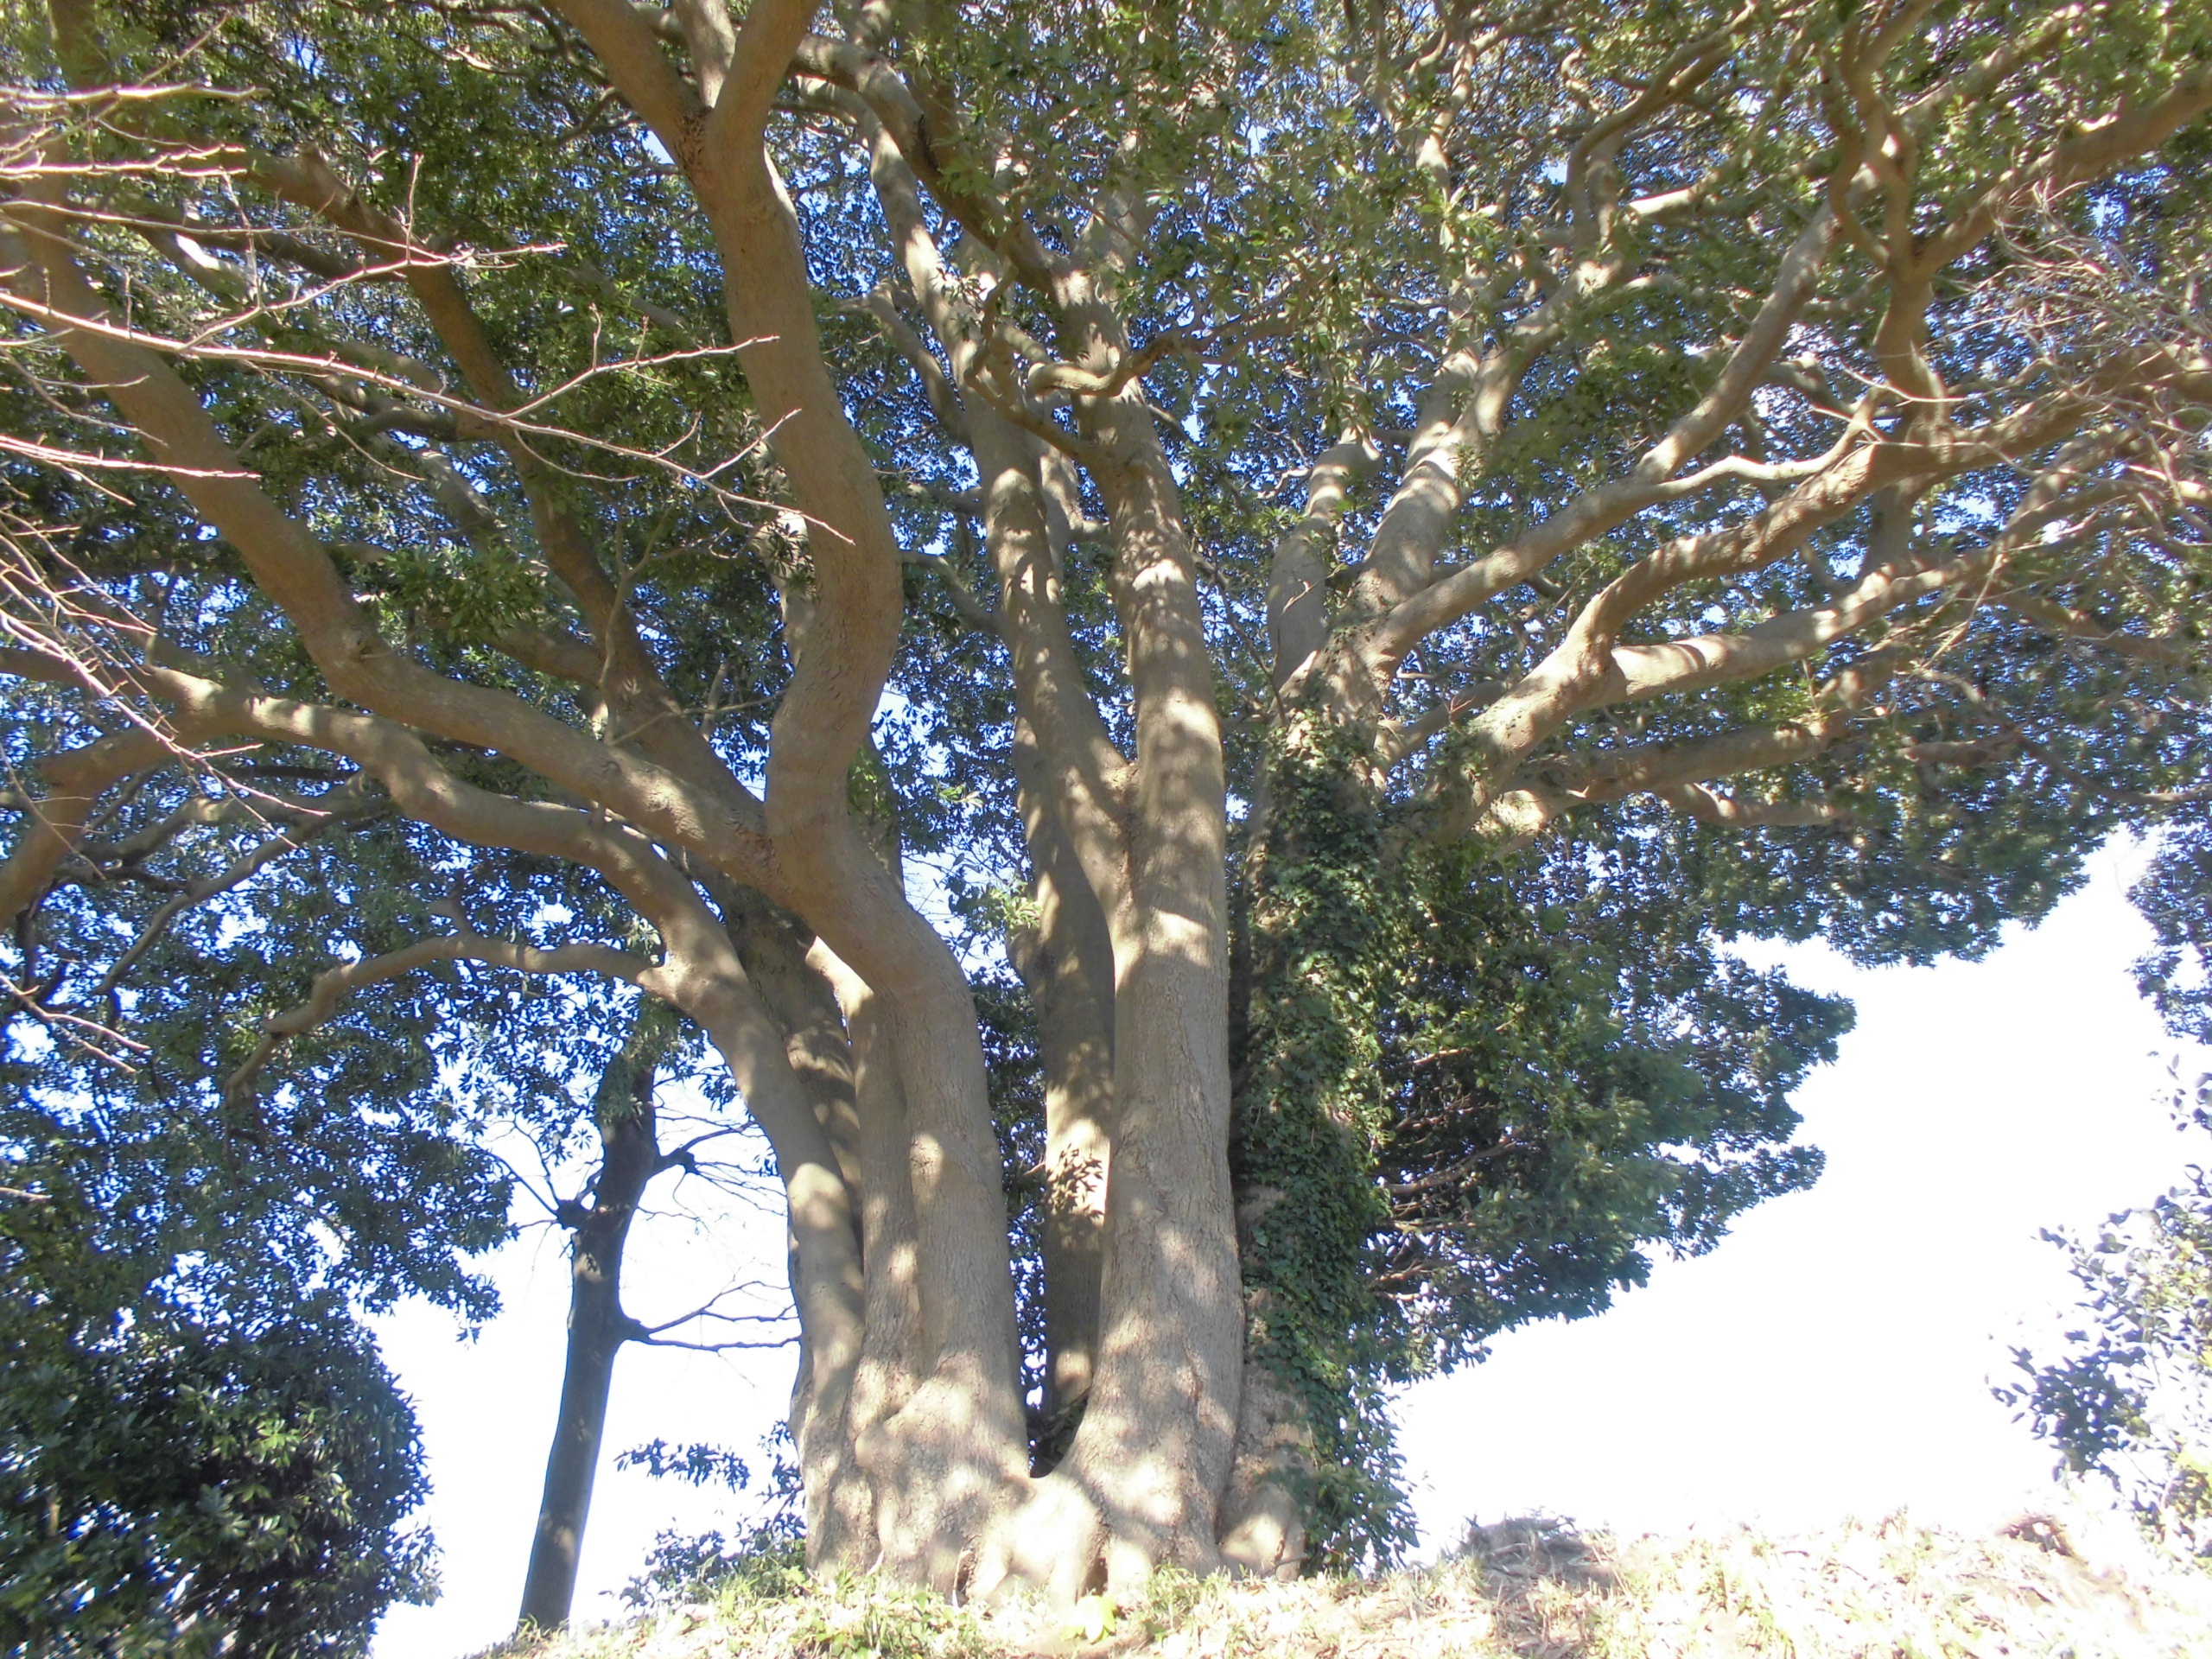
<point x="1529" y="1589"/>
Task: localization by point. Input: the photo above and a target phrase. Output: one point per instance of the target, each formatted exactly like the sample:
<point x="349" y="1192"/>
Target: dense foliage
<point x="1479" y="1100"/>
<point x="2128" y="1397"/>
<point x="1182" y="634"/>
<point x="186" y="1471"/>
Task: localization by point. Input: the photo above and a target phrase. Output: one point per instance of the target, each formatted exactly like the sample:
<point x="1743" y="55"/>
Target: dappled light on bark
<point x="1179" y="641"/>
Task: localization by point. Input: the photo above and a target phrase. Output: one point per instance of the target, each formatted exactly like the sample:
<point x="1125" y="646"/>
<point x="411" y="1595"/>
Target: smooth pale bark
<point x="827" y="1282"/>
<point x="1085" y="777"/>
<point x="895" y="1358"/>
<point x="1073" y="809"/>
<point x="1068" y="779"/>
<point x="1066" y="961"/>
<point x="964" y="1421"/>
<point x="1025" y="522"/>
<point x="1261" y="1516"/>
<point x="74" y="781"/>
<point x="1297" y="569"/>
<point x="801" y="999"/>
<point x="1067" y="776"/>
<point x="1140" y="1480"/>
<point x="1154" y="1449"/>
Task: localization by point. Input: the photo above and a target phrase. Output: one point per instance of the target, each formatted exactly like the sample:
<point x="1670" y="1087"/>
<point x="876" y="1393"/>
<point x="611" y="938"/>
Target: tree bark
<point x="1067" y="963"/>
<point x="1262" y="1517"/>
<point x="629" y="1158"/>
<point x="1156" y="1442"/>
<point x="799" y="990"/>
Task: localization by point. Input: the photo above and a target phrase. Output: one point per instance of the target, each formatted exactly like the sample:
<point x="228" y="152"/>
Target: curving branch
<point x="2105" y="145"/>
<point x="1595" y="511"/>
<point x="1297" y="569"/>
<point x="334" y="985"/>
<point x="647" y="710"/>
<point x="353" y="814"/>
<point x="75" y="782"/>
<point x="1019" y="534"/>
<point x="1709" y="806"/>
<point x="1679" y="772"/>
<point x="298" y="573"/>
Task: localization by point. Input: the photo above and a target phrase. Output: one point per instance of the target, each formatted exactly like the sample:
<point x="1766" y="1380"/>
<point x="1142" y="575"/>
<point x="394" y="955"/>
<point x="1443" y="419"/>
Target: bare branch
<point x="351" y="814"/>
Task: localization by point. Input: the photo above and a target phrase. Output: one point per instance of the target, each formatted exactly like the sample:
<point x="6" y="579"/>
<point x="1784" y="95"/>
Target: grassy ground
<point x="1521" y="1589"/>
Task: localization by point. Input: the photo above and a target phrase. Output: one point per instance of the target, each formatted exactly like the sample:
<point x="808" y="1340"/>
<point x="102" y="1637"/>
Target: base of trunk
<point x="1262" y="1515"/>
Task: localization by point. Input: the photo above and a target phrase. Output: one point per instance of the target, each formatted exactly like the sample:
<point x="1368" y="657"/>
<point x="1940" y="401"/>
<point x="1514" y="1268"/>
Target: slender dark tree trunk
<point x="629" y="1159"/>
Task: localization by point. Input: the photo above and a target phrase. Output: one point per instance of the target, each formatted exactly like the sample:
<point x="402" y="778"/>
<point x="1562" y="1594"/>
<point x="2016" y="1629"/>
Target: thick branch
<point x="1598" y="510"/>
<point x="647" y="713"/>
<point x="296" y="572"/>
<point x="1298" y="572"/>
<point x="75" y="781"/>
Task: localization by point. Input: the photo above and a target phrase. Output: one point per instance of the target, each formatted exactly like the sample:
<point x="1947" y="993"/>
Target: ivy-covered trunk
<point x="1325" y="937"/>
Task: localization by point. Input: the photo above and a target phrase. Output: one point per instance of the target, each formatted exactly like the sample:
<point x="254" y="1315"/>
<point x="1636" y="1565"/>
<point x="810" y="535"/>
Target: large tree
<point x="1394" y="532"/>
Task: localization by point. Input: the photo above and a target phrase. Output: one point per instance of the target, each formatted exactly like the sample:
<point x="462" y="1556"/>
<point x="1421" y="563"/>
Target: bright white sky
<point x="1831" y="1358"/>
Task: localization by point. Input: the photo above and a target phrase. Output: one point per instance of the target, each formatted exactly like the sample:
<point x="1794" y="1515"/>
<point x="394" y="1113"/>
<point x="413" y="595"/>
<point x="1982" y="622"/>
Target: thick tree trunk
<point x="1262" y="1517"/>
<point x="892" y="1360"/>
<point x="802" y="998"/>
<point x="1067" y="963"/>
<point x="629" y="1158"/>
<point x="1066" y="773"/>
<point x="1139" y="1485"/>
<point x="1155" y="1450"/>
<point x="705" y="978"/>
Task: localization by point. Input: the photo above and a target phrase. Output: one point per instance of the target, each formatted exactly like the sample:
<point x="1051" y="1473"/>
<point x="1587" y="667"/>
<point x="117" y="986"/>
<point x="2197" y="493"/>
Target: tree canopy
<point x="1182" y="631"/>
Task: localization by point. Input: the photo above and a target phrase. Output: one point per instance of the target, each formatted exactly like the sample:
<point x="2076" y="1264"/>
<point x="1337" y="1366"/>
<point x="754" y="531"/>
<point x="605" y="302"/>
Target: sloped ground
<point x="1528" y="1590"/>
